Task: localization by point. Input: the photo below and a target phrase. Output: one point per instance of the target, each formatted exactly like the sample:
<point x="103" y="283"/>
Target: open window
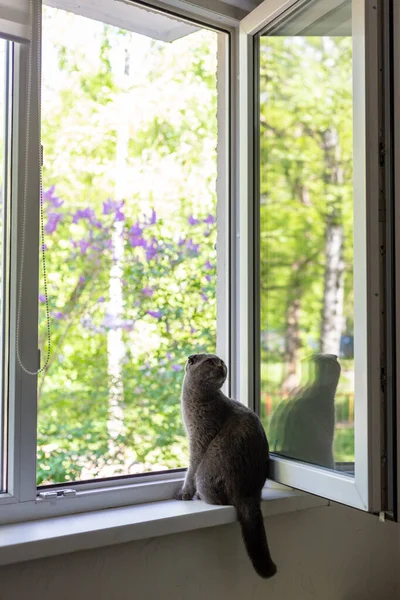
<point x="313" y="95"/>
<point x="211" y="181"/>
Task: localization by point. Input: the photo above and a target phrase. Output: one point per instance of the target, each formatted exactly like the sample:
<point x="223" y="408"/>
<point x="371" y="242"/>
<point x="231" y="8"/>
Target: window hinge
<point x="55" y="494"/>
<point x="41" y="156"/>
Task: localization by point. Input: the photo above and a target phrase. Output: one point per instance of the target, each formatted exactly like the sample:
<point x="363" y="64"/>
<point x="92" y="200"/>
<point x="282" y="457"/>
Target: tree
<point x="166" y="226"/>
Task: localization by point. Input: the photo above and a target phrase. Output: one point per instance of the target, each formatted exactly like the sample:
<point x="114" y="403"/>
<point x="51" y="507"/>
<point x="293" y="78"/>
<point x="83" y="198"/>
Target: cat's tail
<point x="254" y="537"/>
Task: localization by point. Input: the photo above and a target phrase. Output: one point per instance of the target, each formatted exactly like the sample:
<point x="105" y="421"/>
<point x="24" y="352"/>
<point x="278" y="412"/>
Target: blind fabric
<point x="124" y="14"/>
<point x="15" y="20"/>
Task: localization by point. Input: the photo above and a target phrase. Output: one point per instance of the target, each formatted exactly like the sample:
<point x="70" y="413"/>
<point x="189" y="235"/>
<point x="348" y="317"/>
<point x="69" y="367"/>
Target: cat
<point x="229" y="453"/>
<point x="303" y="427"/>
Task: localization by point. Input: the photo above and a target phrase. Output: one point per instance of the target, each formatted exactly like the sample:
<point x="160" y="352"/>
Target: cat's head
<point x="206" y="371"/>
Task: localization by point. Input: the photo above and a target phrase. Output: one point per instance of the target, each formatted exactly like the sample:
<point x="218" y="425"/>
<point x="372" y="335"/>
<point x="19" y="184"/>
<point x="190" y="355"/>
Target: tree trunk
<point x="115" y="343"/>
<point x="332" y="310"/>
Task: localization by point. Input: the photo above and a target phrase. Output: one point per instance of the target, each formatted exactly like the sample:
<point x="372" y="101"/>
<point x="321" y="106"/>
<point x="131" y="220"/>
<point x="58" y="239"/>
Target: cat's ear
<point x="191" y="358"/>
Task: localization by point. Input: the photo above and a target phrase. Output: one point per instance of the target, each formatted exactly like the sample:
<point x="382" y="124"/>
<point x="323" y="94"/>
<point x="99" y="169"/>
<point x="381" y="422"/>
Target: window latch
<point x="55" y="494"/>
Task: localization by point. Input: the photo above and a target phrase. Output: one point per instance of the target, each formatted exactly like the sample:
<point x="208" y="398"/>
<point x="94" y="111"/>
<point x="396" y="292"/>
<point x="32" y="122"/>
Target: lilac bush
<point x="168" y="290"/>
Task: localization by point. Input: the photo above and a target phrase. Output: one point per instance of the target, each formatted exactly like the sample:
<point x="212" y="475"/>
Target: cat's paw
<point x="184" y="495"/>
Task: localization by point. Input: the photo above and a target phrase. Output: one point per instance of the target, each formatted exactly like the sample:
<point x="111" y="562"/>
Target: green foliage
<point x="168" y="266"/>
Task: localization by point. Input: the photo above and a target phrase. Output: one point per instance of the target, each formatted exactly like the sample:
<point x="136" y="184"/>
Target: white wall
<point x="328" y="553"/>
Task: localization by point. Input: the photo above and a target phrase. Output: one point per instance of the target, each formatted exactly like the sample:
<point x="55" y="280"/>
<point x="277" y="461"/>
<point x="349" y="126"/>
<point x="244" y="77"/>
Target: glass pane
<point x="130" y="136"/>
<point x="3" y="194"/>
<point x="306" y="236"/>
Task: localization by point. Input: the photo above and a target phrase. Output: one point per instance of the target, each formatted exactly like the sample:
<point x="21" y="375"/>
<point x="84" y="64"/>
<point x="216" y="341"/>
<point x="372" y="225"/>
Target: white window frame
<point x="364" y="490"/>
<point x="236" y="303"/>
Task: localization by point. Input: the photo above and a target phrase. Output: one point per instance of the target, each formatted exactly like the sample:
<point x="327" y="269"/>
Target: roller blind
<point x="15" y="19"/>
<point x="126" y="15"/>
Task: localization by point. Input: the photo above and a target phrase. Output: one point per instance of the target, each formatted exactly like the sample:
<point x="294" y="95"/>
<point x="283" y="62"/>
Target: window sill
<point x="60" y="535"/>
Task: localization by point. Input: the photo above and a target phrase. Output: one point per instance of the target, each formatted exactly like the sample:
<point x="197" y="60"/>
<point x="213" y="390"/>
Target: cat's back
<point x="243" y="432"/>
<point x="239" y="453"/>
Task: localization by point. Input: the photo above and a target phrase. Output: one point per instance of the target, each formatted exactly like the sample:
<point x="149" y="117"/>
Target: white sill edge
<point x="60" y="535"/>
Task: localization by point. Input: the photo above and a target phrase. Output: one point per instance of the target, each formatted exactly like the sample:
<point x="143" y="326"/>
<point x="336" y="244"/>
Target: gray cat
<point x="228" y="453"/>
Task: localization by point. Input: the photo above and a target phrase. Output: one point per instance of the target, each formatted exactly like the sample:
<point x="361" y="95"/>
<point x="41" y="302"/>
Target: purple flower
<point x="136" y="229"/>
<point x="101" y="299"/>
<point x="50" y="197"/>
<point x="193" y="330"/>
<point x="182" y="241"/>
<point x="177" y="367"/>
<point x="136" y="236"/>
<point x="119" y="215"/>
<point x="136" y="241"/>
<point x="44" y="247"/>
<point x="52" y="222"/>
<point x="153" y="218"/>
<point x="146" y="291"/>
<point x="42" y="298"/>
<point x="155" y="313"/>
<point x="108" y="206"/>
<point x="169" y="355"/>
<point x="208" y="265"/>
<point x="151" y="252"/>
<point x="152" y="249"/>
<point x="87" y="213"/>
<point x="204" y="296"/>
<point x="84" y="245"/>
<point x="58" y="315"/>
<point x="192" y="247"/>
<point x="208" y="278"/>
<point x="210" y="220"/>
<point x="82" y="279"/>
<point x="193" y="221"/>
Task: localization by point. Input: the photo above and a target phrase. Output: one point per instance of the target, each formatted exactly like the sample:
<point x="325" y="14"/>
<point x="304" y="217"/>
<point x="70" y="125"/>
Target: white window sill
<point x="60" y="535"/>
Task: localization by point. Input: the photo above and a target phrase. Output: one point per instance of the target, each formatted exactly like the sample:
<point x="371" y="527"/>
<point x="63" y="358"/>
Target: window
<point x="208" y="182"/>
<point x="319" y="338"/>
<point x="129" y="131"/>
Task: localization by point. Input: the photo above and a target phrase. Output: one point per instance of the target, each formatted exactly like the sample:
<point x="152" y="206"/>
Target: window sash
<point x="364" y="491"/>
